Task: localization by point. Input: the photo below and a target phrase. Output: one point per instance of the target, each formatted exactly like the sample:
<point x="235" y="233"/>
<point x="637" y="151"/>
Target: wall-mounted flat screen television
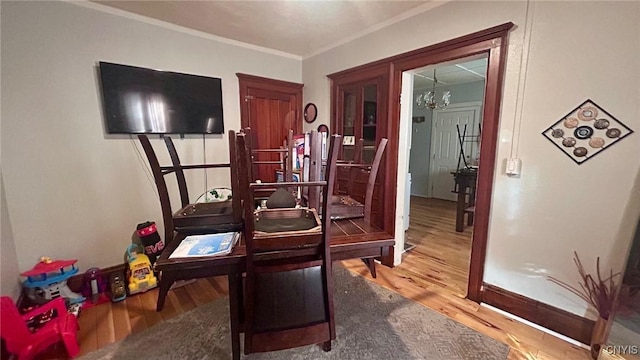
<point x="144" y="101"/>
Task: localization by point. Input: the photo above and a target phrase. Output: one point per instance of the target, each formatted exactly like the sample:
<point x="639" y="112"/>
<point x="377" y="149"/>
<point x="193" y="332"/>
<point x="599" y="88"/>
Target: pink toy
<point x="20" y="340"/>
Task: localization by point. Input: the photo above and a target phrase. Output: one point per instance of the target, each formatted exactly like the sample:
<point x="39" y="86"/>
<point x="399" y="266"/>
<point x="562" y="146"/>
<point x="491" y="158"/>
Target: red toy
<point x="20" y="340"/>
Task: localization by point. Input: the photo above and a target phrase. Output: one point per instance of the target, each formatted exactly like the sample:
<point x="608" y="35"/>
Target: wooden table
<point x="349" y="239"/>
<point x="465" y="180"/>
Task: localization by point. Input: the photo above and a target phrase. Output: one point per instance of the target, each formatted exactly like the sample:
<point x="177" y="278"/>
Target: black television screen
<point x="145" y="101"/>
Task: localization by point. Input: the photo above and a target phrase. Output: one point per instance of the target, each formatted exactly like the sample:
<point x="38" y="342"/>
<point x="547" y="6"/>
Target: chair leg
<point x="326" y="346"/>
<point x="165" y="284"/>
<point x="371" y="264"/>
<point x="235" y="309"/>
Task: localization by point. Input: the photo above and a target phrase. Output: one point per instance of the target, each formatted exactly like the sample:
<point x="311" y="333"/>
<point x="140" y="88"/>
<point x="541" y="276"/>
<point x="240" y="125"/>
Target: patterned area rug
<point x="371" y="321"/>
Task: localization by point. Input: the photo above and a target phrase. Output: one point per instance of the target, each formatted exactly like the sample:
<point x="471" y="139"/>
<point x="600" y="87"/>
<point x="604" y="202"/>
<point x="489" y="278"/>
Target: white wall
<point x="556" y="206"/>
<point x="71" y="191"/>
<point x="9" y="272"/>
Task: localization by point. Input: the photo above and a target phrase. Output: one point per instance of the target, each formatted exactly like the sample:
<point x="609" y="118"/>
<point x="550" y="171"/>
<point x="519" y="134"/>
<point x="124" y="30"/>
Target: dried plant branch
<point x="598" y="293"/>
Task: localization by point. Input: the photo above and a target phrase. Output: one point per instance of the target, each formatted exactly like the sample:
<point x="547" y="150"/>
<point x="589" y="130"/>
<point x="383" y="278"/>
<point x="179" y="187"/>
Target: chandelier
<point x="427" y="99"/>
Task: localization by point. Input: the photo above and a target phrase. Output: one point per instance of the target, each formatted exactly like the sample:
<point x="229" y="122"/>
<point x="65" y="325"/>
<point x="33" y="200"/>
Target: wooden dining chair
<point x="265" y="162"/>
<point x="190" y="218"/>
<point x="346" y="204"/>
<point x="288" y="289"/>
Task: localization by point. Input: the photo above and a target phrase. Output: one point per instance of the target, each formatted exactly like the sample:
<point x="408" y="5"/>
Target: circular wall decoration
<point x="557" y="133"/>
<point x="580" y="151"/>
<point x="601" y="124"/>
<point x="570" y="123"/>
<point x="323" y="128"/>
<point x="583" y="132"/>
<point x="569" y="142"/>
<point x="596" y="142"/>
<point x="587" y="113"/>
<point x="586" y="131"/>
<point x="613" y="133"/>
<point x="310" y="113"/>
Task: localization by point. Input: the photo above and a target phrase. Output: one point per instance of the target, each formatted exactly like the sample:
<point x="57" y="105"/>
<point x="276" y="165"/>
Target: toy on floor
<point x="150" y="239"/>
<point x="48" y="280"/>
<point x="141" y="277"/>
<point x="29" y="334"/>
<point x="118" y="292"/>
<point x="94" y="287"/>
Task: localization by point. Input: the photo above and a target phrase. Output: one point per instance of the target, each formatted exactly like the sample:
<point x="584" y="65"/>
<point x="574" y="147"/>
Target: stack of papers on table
<point x="206" y="245"/>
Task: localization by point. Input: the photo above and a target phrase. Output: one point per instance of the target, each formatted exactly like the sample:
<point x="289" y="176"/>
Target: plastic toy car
<point x="141" y="277"/>
<point x="118" y="291"/>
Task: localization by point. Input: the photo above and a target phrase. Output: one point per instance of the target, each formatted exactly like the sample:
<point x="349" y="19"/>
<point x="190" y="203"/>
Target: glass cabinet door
<point x="359" y="111"/>
<point x="359" y="120"/>
<point x="350" y="115"/>
<point x="369" y="121"/>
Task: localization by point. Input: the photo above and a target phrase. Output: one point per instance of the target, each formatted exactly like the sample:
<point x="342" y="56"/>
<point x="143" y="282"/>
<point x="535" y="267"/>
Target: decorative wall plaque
<point x="586" y="131"/>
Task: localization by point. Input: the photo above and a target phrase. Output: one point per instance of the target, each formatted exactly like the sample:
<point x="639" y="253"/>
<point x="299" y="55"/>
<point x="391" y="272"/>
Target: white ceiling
<point x="457" y="72"/>
<point x="300" y="28"/>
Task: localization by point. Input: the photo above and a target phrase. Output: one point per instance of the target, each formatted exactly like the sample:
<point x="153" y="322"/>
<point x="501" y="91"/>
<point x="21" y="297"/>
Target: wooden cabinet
<point x="359" y="118"/>
<point x="359" y="111"/>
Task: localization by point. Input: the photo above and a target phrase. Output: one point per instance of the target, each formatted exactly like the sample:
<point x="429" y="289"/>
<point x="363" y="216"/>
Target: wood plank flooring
<point x="442" y="255"/>
<point x="433" y="274"/>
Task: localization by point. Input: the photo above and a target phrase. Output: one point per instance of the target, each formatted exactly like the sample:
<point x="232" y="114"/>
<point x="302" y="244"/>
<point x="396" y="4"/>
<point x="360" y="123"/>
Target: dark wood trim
<point x="489" y="42"/>
<point x="547" y="316"/>
<point x="484" y="186"/>
<point x="470" y="39"/>
<point x="75" y="282"/>
<point x="267" y="83"/>
<point x="370" y="74"/>
<point x="493" y="43"/>
<point x="247" y="81"/>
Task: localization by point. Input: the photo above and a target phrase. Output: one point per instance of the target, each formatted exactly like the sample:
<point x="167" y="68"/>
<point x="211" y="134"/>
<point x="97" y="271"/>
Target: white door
<point x="445" y="148"/>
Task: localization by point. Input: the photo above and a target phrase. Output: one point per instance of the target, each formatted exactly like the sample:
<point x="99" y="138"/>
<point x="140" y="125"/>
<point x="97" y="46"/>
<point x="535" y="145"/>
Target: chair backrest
<point x="357" y="166"/>
<point x="161" y="185"/>
<point x="159" y="172"/>
<point x="26" y="335"/>
<point x="275" y="255"/>
<point x="249" y="188"/>
<point x="260" y="165"/>
<point x="371" y="182"/>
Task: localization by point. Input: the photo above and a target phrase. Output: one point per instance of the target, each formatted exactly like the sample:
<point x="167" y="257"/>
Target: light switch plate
<point x="514" y="166"/>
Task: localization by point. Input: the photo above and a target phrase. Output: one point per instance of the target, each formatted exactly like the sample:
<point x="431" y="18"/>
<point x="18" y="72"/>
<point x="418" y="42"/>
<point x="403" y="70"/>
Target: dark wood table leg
<point x="235" y="293"/>
<point x="165" y="284"/>
<point x="462" y="194"/>
<point x="472" y="203"/>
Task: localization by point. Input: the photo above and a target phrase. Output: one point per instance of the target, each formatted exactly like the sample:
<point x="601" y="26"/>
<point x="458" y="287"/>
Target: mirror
<point x="310" y="112"/>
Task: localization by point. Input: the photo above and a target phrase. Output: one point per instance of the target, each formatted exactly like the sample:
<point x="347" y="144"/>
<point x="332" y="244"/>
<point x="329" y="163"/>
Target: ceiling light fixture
<point x="427" y="99"/>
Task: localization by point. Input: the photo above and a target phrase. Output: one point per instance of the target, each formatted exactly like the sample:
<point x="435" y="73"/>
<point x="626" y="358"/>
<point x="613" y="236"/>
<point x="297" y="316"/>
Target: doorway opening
<point x="443" y="162"/>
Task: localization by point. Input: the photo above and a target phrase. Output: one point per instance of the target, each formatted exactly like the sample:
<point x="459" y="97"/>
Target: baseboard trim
<point x="75" y="282"/>
<point x="547" y="316"/>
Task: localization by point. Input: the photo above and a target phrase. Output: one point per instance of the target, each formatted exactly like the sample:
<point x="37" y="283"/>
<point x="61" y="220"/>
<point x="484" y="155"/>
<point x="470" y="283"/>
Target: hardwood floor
<point x="441" y="256"/>
<point x="433" y="274"/>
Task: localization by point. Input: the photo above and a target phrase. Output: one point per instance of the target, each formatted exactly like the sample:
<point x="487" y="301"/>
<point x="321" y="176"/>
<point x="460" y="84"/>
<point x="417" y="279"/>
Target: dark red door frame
<point x="492" y="42"/>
